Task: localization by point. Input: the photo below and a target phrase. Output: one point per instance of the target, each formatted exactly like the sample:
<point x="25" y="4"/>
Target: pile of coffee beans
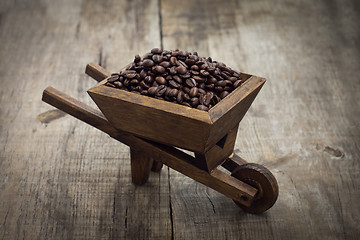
<point x="178" y="76"/>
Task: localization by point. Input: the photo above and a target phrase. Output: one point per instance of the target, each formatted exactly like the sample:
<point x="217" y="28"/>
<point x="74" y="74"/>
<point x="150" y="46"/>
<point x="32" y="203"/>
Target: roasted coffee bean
<point x="201" y="85"/>
<point x="186" y="104"/>
<point x="177" y="79"/>
<point x="144" y="85"/>
<point x="223" y="94"/>
<point x="157" y="58"/>
<point x="221" y="83"/>
<point x="195" y="68"/>
<point x="186" y="89"/>
<point x="194" y="101"/>
<point x="149" y="79"/>
<point x="174" y="92"/>
<point x="142" y="74"/>
<point x="165" y="64"/>
<point x="202" y="107"/>
<point x="178" y="76"/>
<point x="180" y="97"/>
<point x="156" y="51"/>
<point x="199" y="79"/>
<point x="210" y="86"/>
<point x="118" y="84"/>
<point x="227" y="88"/>
<point x="160" y="80"/>
<point x="134" y="82"/>
<point x="113" y="78"/>
<point x="181" y="69"/>
<point x="193" y="91"/>
<point x="191" y="82"/>
<point x="186" y="97"/>
<point x="130" y="74"/>
<point x="218" y="89"/>
<point x="159" y="69"/>
<point x="137" y="58"/>
<point x="110" y="84"/>
<point x="160" y="90"/>
<point x="237" y="83"/>
<point x="173" y="61"/>
<point x="174" y="84"/>
<point x="233" y="79"/>
<point x="147" y="63"/>
<point x="185" y="76"/>
<point x="204" y="73"/>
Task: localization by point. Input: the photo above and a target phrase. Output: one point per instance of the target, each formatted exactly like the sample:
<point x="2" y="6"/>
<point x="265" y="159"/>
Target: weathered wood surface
<point x="62" y="179"/>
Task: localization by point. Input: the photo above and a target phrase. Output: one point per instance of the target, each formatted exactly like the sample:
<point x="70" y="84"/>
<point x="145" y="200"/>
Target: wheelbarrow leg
<point x="141" y="165"/>
<point x="157" y="166"/>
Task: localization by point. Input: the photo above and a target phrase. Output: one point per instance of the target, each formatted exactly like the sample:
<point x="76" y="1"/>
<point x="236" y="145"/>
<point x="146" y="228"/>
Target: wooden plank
<point x="62" y="179"/>
<point x="303" y="125"/>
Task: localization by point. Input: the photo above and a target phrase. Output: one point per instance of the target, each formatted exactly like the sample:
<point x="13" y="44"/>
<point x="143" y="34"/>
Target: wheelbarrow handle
<point x="96" y="72"/>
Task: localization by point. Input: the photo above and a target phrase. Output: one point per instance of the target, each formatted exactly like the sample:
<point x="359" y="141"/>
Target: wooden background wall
<point x="62" y="179"/>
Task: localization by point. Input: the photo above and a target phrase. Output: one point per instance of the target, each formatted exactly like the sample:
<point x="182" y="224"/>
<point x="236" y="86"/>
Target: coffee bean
<point x="160" y="80"/>
<point x="173" y="61"/>
<point x="156" y="51"/>
<point x="118" y="84"/>
<point x="137" y="58"/>
<point x="147" y="63"/>
<point x="199" y="79"/>
<point x="204" y="73"/>
<point x="191" y="82"/>
<point x="210" y="86"/>
<point x="165" y="64"/>
<point x="193" y="92"/>
<point x="195" y="68"/>
<point x="223" y="94"/>
<point x="202" y="107"/>
<point x="160" y="90"/>
<point x="174" y="92"/>
<point x="113" y="78"/>
<point x="194" y="101"/>
<point x="177" y="79"/>
<point x="237" y="83"/>
<point x="149" y="79"/>
<point x="110" y="84"/>
<point x="180" y="97"/>
<point x="174" y="84"/>
<point x="130" y="74"/>
<point x="157" y="58"/>
<point x="178" y="76"/>
<point x="159" y="69"/>
<point x="144" y="85"/>
<point x="181" y="69"/>
<point x="134" y="82"/>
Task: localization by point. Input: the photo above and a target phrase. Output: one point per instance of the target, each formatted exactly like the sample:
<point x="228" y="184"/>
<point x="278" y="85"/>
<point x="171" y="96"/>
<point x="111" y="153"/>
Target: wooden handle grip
<point x="96" y="72"/>
<point x="77" y="109"/>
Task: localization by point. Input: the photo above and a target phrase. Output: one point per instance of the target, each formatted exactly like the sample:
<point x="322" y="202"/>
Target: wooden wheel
<point x="262" y="179"/>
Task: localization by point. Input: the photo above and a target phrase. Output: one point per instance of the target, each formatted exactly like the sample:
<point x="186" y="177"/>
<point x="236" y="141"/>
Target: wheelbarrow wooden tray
<point x="174" y="124"/>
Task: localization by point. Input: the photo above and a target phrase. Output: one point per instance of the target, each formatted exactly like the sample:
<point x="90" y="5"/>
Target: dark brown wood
<point x="96" y="72"/>
<point x="219" y="152"/>
<point x="263" y="180"/>
<point x="190" y="128"/>
<point x="170" y="156"/>
<point x="157" y="166"/>
<point x="232" y="162"/>
<point x="140" y="166"/>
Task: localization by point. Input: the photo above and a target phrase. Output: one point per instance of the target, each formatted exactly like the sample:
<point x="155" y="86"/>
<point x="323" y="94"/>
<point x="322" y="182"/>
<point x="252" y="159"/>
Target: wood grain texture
<point x="63" y="179"/>
<point x="309" y="54"/>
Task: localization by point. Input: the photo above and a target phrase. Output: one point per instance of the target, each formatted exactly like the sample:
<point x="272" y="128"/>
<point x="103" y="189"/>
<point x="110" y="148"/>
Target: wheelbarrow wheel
<point x="262" y="179"/>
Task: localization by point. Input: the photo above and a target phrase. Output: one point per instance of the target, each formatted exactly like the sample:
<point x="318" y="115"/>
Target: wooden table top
<point x="62" y="179"/>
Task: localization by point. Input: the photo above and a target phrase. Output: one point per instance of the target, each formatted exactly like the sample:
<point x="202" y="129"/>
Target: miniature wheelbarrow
<point x="154" y="130"/>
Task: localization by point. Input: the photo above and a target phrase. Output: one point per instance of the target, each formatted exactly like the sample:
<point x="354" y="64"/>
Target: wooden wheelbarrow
<point x="155" y="129"/>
